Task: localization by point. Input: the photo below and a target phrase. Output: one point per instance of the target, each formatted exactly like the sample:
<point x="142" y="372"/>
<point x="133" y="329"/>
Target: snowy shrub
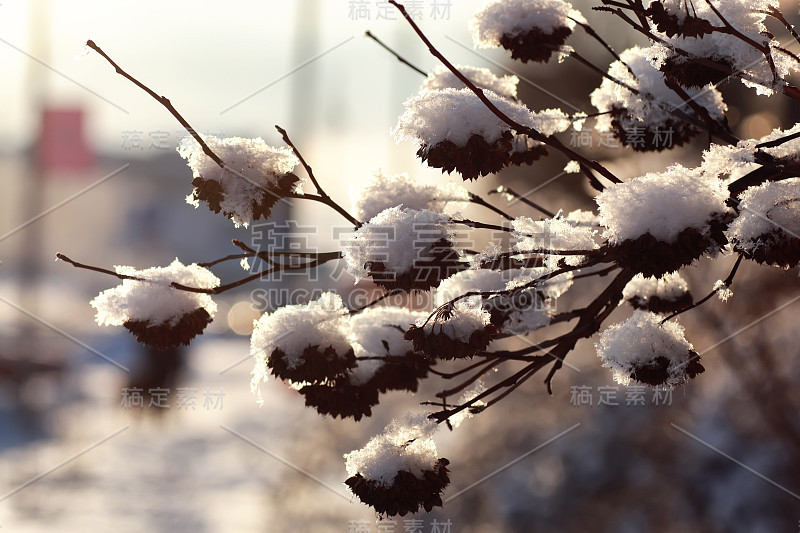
<point x="742" y="199"/>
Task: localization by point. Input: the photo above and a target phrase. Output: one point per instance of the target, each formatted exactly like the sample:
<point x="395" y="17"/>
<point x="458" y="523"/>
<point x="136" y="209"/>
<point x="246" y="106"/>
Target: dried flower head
<point x="158" y="314"/>
<point x="256" y="176"/>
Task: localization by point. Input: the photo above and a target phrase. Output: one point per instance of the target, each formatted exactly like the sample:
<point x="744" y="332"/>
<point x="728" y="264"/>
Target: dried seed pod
<point x="404" y="249"/>
<point x="458" y="331"/>
<point x="474" y="159"/>
<point x="767" y="229"/>
<point x="671" y="24"/>
<point x="653" y="257"/>
<point x="535" y="45"/>
<point x="667" y="294"/>
<point x="165" y="335"/>
<point x="532" y="30"/>
<point x="406" y="494"/>
<point x="312" y="365"/>
<point x="647" y="351"/>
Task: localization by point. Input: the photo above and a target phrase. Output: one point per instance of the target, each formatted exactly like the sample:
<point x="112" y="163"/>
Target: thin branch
<point x="483" y="225"/>
<point x="582" y="60"/>
<point x="776" y="14"/>
<point x="163" y="100"/>
<point x="395" y="54"/>
<point x="524" y="200"/>
<point x="376" y="301"/>
<point x="66" y="259"/>
<point x="726" y="283"/>
<point x="590" y="31"/>
<point x="475" y="199"/>
<point x="320" y="259"/>
<point x="323" y="196"/>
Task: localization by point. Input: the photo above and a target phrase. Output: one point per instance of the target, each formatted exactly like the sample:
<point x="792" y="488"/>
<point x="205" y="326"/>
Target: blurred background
<point x="88" y="167"/>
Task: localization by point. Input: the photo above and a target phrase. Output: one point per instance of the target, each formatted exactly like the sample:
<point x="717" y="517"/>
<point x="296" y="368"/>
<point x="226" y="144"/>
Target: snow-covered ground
<point x="213" y="467"/>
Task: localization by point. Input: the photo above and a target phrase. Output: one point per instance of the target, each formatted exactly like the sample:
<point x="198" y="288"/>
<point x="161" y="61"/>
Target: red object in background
<point x="61" y="144"/>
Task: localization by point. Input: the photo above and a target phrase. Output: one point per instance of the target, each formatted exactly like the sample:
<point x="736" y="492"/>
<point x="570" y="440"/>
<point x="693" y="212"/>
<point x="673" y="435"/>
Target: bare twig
<point x="395" y="54"/>
<point x="163" y="100"/>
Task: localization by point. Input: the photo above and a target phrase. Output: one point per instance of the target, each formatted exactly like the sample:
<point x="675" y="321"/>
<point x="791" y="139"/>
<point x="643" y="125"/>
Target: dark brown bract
<point x="670" y="24"/>
<point x="440" y="346"/>
<point x="406" y="494"/>
<point x="776" y="248"/>
<point x="211" y="192"/>
<point x="692" y="74"/>
<point x="164" y="336"/>
<point x="669" y="133"/>
<point x="657" y="304"/>
<point x="476" y="158"/>
<point x="657" y="371"/>
<point x="651" y="257"/>
<point x="535" y="45"/>
<point x="314" y="366"/>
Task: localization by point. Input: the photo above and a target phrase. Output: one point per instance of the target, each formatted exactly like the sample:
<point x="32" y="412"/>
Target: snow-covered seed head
<point x="256" y="176"/>
<point x="379" y="333"/>
<point x="644" y="350"/>
<point x="386" y="362"/>
<point x="456" y="131"/>
<point x="158" y="314"/>
<point x="708" y="55"/>
<point x="303" y="343"/>
<point x="532" y="30"/>
<point x="663" y="221"/>
<point x="667" y="294"/>
<point x="398" y="471"/>
<point x="404" y="249"/>
<point x="767" y="229"/>
<point x="457" y="331"/>
<point x="646" y="121"/>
